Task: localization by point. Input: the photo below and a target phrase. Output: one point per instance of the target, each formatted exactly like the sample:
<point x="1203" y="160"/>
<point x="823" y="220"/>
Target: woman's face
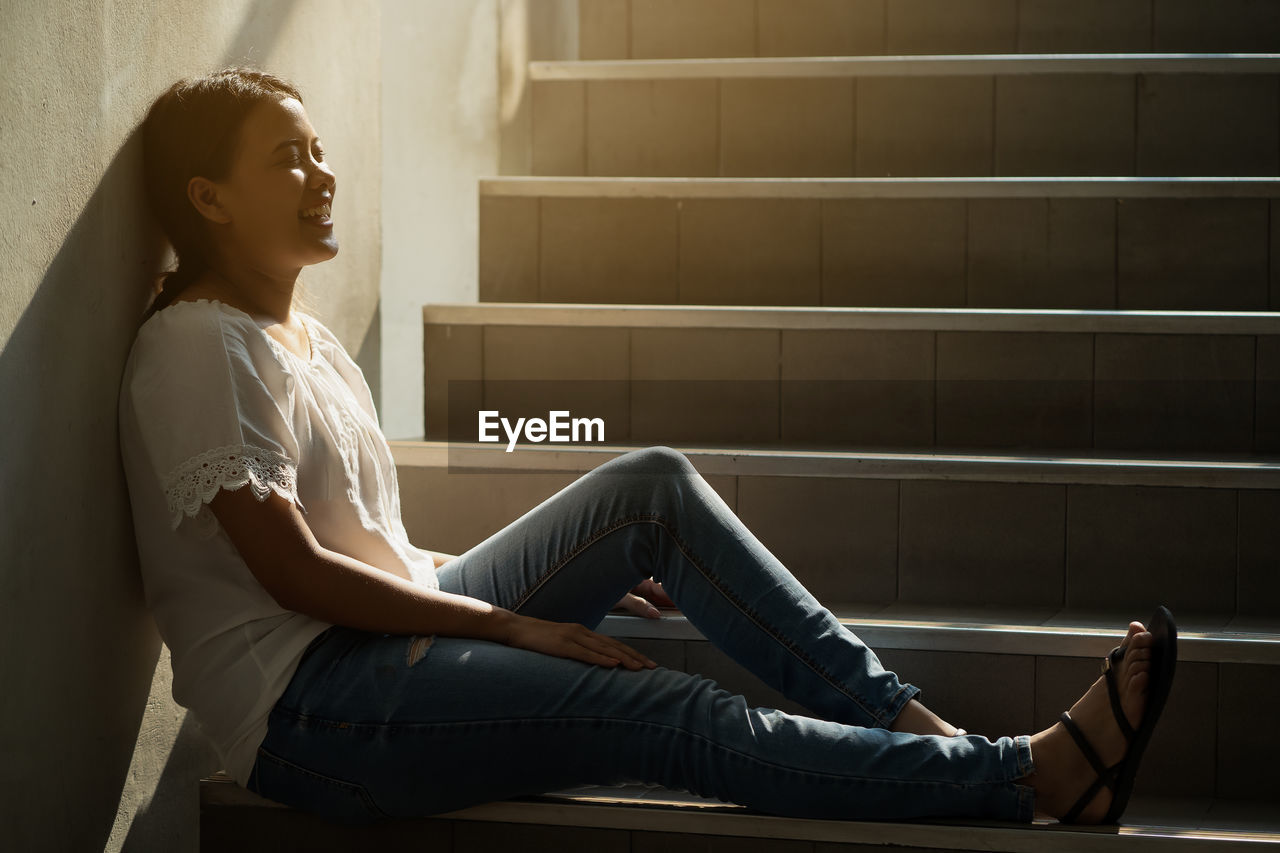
<point x="278" y="176"/>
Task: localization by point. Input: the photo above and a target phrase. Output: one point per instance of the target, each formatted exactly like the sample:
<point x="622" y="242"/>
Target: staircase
<point x="970" y="309"/>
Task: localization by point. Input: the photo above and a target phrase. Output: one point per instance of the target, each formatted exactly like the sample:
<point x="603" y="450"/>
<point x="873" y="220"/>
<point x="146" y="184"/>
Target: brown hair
<point x="194" y="129"/>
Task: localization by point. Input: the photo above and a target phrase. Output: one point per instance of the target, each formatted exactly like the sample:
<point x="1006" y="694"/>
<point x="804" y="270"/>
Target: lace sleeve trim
<point x="190" y="486"/>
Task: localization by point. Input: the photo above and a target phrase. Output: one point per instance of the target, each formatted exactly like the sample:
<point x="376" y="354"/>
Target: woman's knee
<point x="658" y="460"/>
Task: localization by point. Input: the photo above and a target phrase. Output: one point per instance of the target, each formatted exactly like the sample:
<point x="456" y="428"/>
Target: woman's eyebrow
<point x="291" y="141"/>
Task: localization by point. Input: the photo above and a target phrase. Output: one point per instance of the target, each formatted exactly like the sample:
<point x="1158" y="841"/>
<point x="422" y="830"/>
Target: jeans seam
<point x="1026" y="764"/>
<point x="770" y="630"/>
<point x="358" y="788"/>
<point x="908" y="692"/>
<point x="716" y="583"/>
<point x="578" y="549"/>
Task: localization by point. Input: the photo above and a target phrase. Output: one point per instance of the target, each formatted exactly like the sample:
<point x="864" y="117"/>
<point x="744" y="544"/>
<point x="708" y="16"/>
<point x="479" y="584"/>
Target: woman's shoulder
<point x="186" y="313"/>
<point x="199" y="337"/>
<point x="190" y="319"/>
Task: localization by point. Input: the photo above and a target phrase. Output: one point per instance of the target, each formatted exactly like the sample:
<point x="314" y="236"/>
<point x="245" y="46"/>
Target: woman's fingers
<point x="633" y="603"/>
<point x="653" y="591"/>
<point x="614" y="650"/>
<point x="573" y="640"/>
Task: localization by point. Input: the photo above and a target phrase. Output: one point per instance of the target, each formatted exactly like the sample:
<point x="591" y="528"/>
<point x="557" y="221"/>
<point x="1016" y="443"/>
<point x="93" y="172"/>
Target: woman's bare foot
<point x="1062" y="772"/>
<point x="916" y="719"/>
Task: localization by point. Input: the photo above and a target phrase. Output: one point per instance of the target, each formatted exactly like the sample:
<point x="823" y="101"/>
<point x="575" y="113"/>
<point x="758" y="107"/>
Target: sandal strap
<point x="1083" y="743"/>
<point x="1109" y="664"/>
<point x="1106" y="775"/>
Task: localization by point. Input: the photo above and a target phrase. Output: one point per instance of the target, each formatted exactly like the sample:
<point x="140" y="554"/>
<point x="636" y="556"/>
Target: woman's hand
<point x="642" y="600"/>
<point x="573" y="640"/>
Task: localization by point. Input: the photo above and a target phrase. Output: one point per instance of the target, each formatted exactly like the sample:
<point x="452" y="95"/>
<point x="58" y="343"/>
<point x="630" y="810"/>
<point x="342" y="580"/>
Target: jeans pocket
<point x="290" y="784"/>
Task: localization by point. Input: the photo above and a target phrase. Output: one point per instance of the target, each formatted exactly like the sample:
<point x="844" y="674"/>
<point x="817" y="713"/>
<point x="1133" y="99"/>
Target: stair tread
<point x="1148" y="821"/>
<point x="1215" y="638"/>
<point x="663" y="315"/>
<point x="1220" y="470"/>
<point x="1105" y="186"/>
<point x="1143" y="812"/>
<point x="902" y="65"/>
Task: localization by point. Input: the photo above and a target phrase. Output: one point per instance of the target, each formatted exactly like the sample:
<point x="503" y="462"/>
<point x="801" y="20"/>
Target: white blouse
<point x="209" y="400"/>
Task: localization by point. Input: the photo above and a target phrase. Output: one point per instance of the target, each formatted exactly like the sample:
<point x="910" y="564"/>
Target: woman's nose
<point x="322" y="175"/>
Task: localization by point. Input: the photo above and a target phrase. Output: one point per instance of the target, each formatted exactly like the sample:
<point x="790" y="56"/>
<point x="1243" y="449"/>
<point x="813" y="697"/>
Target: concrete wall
<point x="440" y="131"/>
<point x="95" y="753"/>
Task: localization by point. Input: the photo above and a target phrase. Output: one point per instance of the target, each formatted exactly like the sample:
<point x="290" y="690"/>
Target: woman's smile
<point x="320" y="216"/>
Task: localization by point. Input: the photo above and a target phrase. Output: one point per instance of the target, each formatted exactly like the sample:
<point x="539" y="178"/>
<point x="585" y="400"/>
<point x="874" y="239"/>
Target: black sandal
<point x="1119" y="777"/>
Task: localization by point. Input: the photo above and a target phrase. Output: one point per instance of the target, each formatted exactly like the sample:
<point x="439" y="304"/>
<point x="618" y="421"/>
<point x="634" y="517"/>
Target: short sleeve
<point x="212" y="405"/>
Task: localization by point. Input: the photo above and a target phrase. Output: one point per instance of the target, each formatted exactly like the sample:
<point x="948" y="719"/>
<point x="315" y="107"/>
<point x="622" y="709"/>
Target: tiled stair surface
<point x="995" y="242"/>
<point x="664" y="29"/>
<point x="1024" y="379"/>
<point x="984" y="302"/>
<point x="1035" y="534"/>
<point x="1027" y="115"/>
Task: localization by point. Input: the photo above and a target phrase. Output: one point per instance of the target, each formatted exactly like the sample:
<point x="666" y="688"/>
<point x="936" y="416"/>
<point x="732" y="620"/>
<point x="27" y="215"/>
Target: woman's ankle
<point x="916" y="719"/>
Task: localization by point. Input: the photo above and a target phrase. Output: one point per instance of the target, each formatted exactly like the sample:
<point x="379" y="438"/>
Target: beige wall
<point x="441" y="132"/>
<point x="95" y="753"/>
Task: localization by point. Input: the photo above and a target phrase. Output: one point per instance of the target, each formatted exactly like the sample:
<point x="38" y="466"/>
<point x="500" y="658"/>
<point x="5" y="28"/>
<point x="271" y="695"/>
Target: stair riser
<point x="652" y="29"/>
<point x="835" y="388"/>
<point x="1092" y="253"/>
<point x="1210" y="552"/>
<point x="959" y="125"/>
<point x="1215" y="737"/>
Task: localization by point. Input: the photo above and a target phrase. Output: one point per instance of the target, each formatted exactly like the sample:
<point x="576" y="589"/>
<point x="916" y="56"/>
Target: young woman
<point x="340" y="669"/>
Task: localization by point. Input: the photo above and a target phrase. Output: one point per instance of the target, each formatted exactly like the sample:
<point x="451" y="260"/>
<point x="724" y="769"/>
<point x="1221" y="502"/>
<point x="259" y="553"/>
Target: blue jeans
<point x="379" y="725"/>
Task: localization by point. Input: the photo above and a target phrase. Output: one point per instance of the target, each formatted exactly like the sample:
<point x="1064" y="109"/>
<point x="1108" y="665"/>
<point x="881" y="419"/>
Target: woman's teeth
<point x="321" y="211"/>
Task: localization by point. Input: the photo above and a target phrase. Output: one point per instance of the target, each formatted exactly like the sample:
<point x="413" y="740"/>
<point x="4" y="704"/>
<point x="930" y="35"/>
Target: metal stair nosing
<point x="929" y="65"/>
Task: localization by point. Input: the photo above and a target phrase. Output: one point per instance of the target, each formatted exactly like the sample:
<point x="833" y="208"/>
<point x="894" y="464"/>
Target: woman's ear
<point x="204" y="195"/>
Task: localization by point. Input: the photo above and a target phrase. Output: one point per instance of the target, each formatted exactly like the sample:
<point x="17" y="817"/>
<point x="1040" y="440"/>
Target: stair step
<point x="1075" y="186"/>
<point x="1003" y="678"/>
<point x="1031" y="379"/>
<point x="1113" y="469"/>
<point x="963" y="115"/>
<point x="641" y="29"/>
<point x="622" y="818"/>
<point x="853" y="317"/>
<point x="935" y="65"/>
<point x="1000" y="242"/>
<point x="1009" y="630"/>
<point x="1021" y="540"/>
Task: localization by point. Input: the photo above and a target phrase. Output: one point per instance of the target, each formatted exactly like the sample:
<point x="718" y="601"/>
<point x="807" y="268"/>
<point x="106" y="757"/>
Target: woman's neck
<point x="254" y="293"/>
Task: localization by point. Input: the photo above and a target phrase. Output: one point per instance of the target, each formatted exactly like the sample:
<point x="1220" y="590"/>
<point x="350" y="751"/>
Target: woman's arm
<point x="304" y="576"/>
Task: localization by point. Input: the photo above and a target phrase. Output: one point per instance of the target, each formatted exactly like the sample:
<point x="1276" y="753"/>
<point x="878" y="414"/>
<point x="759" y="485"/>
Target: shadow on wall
<point x="81" y="649"/>
<point x="89" y="647"/>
